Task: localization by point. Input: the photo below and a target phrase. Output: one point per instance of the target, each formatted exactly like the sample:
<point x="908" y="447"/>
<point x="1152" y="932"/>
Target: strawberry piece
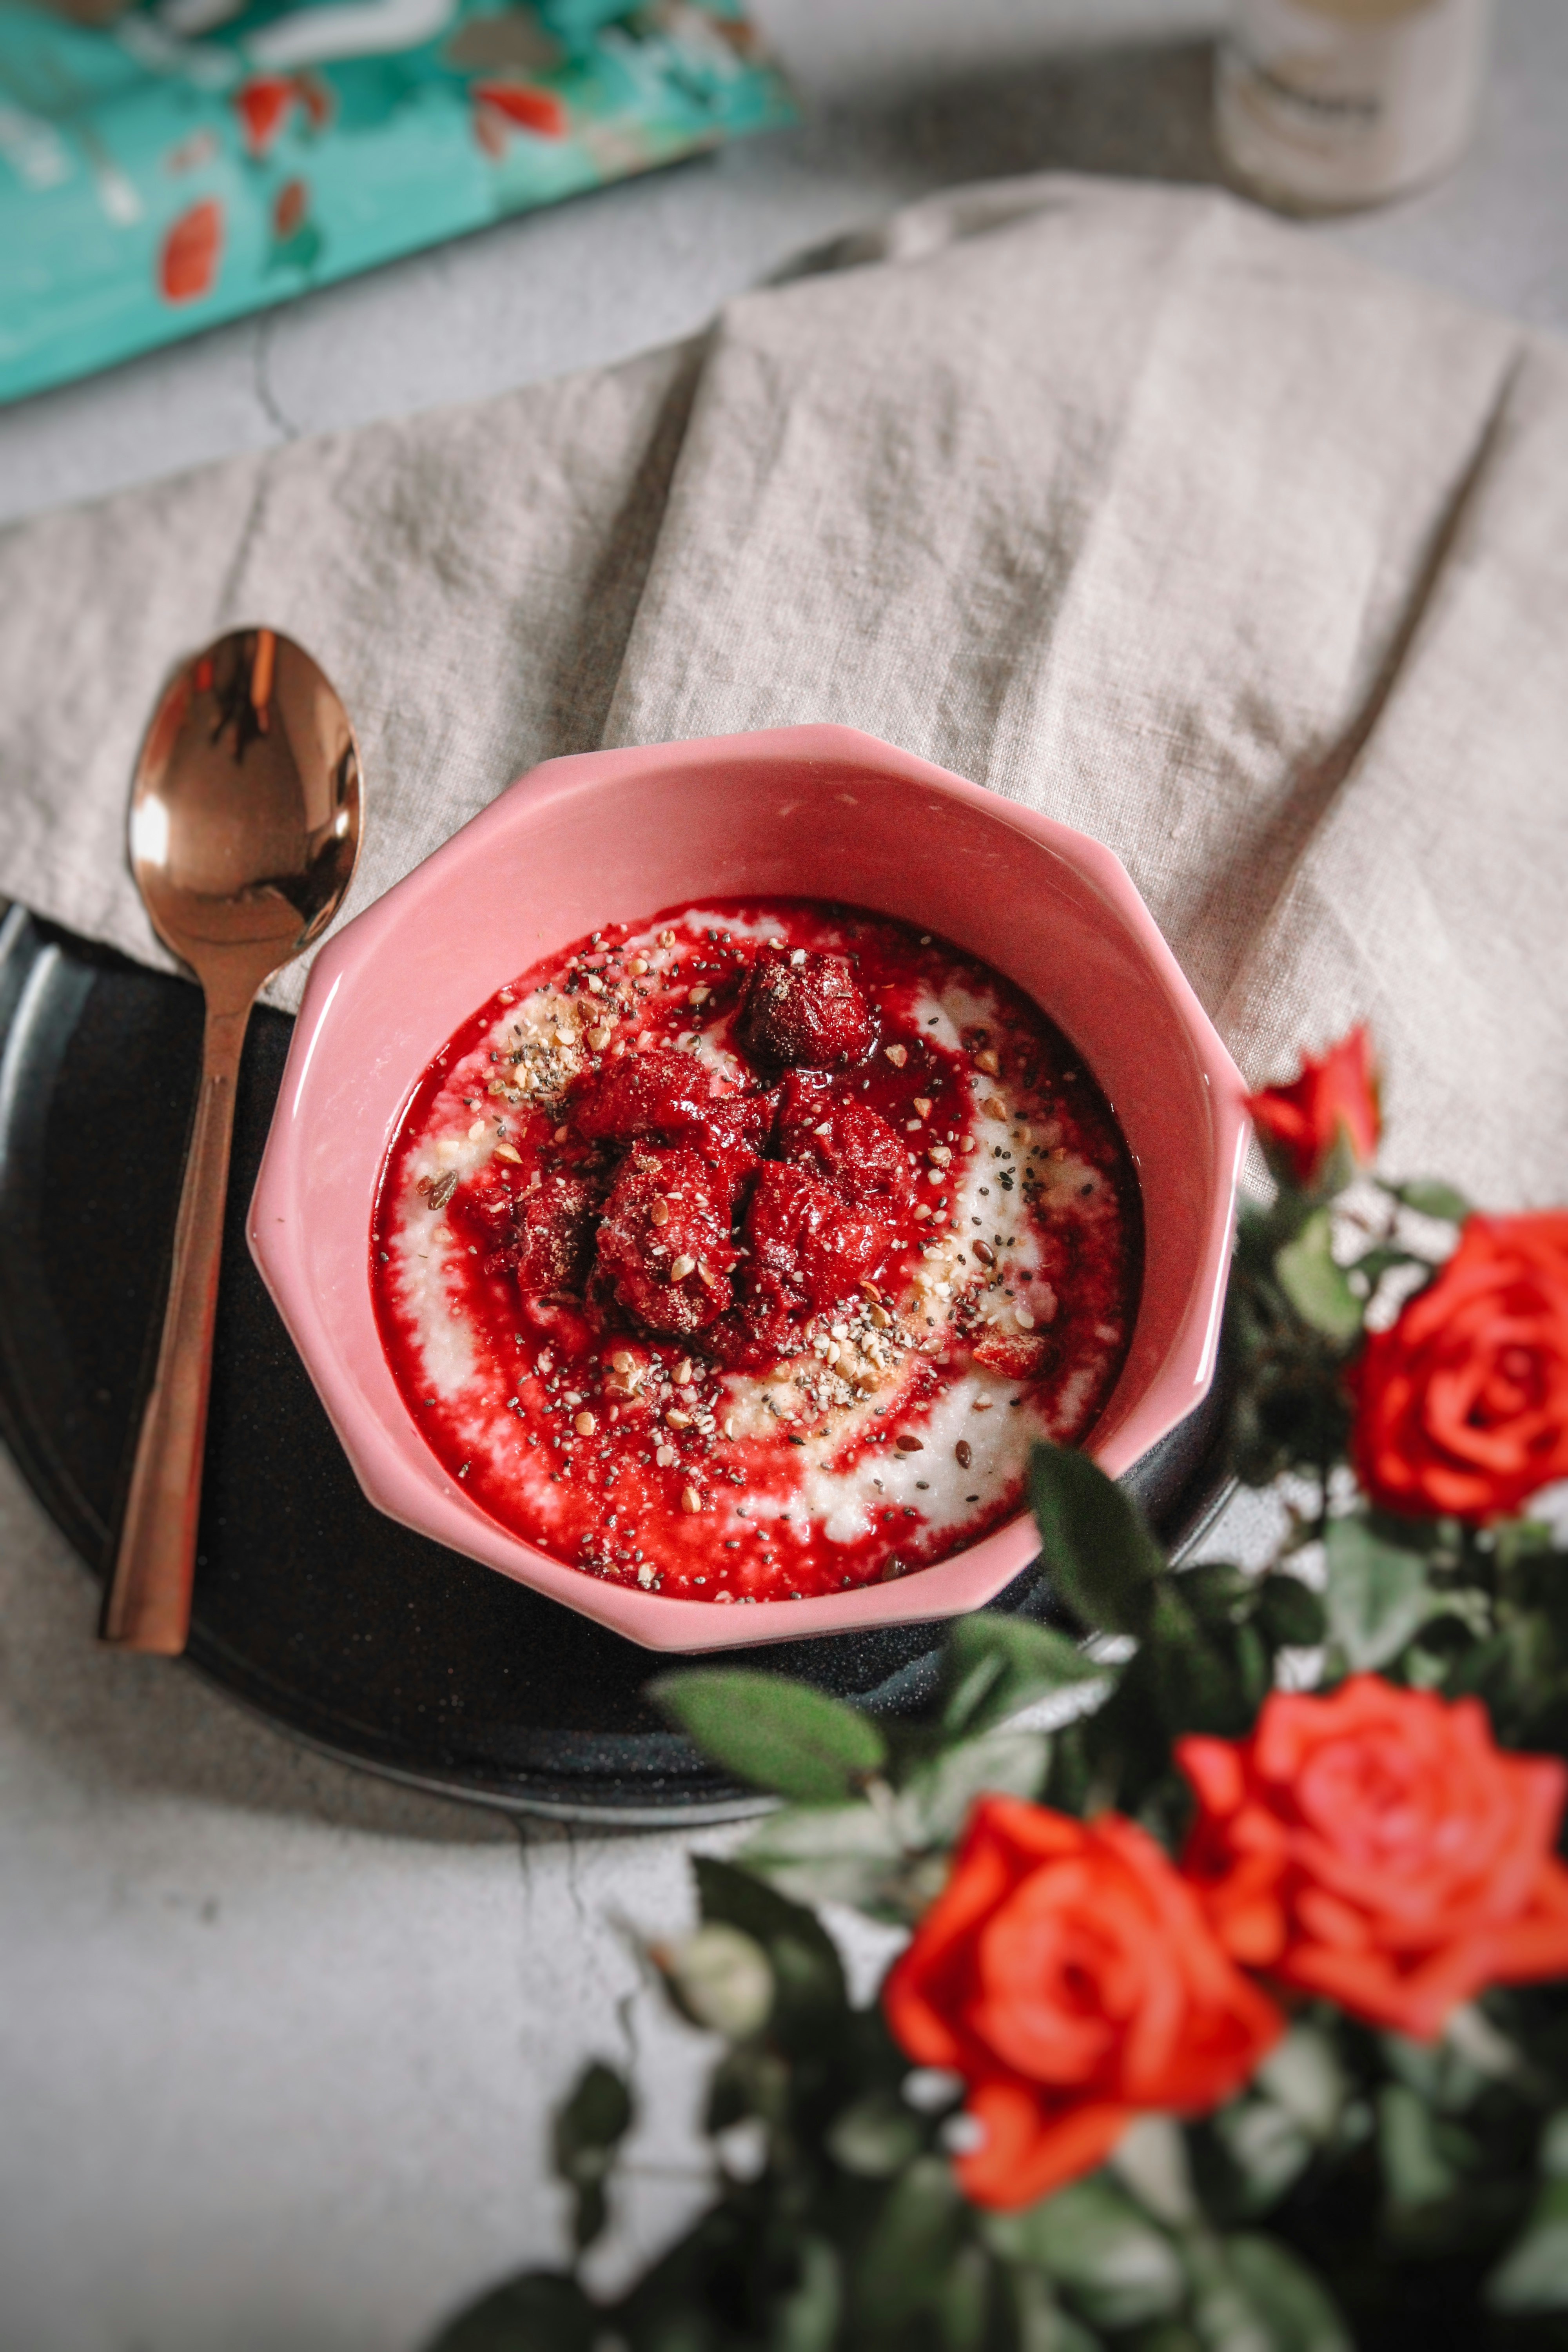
<point x="673" y="1097"/>
<point x="809" y="1247"/>
<point x="853" y="1146"/>
<point x="664" y="1246"/>
<point x="1017" y="1355"/>
<point x="806" y="1015"/>
<point x="554" y="1236"/>
<point x="482" y="1210"/>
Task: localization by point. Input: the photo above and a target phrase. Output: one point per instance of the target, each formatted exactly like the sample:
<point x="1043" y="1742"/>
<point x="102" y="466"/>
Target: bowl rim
<point x="399" y="1473"/>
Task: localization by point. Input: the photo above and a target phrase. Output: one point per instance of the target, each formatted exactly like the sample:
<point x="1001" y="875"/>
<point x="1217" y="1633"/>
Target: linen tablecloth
<point x="1129" y="502"/>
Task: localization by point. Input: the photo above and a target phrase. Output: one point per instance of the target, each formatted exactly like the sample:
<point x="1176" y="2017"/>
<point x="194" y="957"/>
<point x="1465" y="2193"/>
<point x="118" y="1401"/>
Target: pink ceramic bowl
<point x="614" y="836"/>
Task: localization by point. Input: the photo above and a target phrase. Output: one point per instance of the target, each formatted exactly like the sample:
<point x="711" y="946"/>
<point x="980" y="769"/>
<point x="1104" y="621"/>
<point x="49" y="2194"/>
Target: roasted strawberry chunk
<point x="664" y="1248"/>
<point x="481" y="1210"/>
<point x="809" y="1248"/>
<point x="555" y="1235"/>
<point x="1017" y="1355"/>
<point x="805" y="1011"/>
<point x="853" y="1146"/>
<point x="671" y="1097"/>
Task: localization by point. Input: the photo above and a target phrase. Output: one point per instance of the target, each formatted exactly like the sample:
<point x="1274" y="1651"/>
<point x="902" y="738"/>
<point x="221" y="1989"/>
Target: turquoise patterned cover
<point x="197" y="159"/>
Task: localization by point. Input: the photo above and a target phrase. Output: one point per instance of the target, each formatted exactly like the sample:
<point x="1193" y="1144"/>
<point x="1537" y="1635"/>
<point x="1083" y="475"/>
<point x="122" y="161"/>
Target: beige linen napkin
<point x="1129" y="502"/>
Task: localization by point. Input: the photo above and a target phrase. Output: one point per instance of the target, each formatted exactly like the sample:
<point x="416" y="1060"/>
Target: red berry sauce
<point x="742" y="1255"/>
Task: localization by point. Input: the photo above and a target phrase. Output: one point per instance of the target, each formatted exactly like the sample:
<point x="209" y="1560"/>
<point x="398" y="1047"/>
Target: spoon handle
<point x="149" y="1603"/>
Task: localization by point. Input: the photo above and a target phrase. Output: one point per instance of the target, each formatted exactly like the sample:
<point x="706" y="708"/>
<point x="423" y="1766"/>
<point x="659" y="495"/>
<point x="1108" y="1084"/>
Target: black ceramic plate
<point x="349" y="1630"/>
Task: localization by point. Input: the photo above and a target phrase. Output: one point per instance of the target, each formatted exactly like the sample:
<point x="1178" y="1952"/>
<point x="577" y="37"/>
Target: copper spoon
<point x="245" y="825"/>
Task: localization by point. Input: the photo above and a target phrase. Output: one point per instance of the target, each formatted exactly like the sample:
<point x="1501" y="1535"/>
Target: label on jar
<point x="1329" y="103"/>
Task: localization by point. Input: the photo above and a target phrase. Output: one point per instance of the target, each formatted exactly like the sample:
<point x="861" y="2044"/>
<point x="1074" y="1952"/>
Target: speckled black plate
<point x="350" y="1632"/>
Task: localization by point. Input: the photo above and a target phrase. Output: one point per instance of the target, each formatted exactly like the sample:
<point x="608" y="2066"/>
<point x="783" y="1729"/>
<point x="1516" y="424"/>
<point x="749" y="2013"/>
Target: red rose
<point x="1376" y="1847"/>
<point x="1068" y="1974"/>
<point x="1332" y="1098"/>
<point x="1462" y="1405"/>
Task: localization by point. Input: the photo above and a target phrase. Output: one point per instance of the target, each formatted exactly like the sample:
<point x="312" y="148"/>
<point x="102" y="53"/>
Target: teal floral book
<point x="196" y="160"/>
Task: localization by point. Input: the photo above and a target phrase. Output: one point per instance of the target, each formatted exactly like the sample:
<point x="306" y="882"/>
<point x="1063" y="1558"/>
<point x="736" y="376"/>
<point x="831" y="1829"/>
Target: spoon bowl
<point x="244" y="829"/>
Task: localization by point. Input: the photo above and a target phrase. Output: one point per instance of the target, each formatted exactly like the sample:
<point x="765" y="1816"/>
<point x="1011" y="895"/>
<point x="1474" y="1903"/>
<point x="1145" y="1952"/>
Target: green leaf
<point x="1294" y="2307"/>
<point x="1267" y="2148"/>
<point x="909" y="2247"/>
<point x="805" y="2318"/>
<point x="1430" y="1197"/>
<point x="719" y="1979"/>
<point x="1040" y="2325"/>
<point x="1415" y="2172"/>
<point x="1303" y="2075"/>
<point x="778" y="1735"/>
<point x="1198" y="1680"/>
<point x="1116" y="2266"/>
<point x="804" y="1959"/>
<point x="588" y="2130"/>
<point x="962" y="2300"/>
<point x="875" y="2137"/>
<point x="1102" y="1556"/>
<point x="993" y="1668"/>
<point x="1378" y="1595"/>
<point x="1316" y="1287"/>
<point x="1289" y="1614"/>
<point x="1533" y="2275"/>
<point x="934" y="1802"/>
<point x="544" y="2311"/>
<point x="829" y="1854"/>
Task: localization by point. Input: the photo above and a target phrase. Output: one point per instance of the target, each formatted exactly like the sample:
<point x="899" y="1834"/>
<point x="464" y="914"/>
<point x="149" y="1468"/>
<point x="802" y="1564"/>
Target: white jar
<point x="1323" y="105"/>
